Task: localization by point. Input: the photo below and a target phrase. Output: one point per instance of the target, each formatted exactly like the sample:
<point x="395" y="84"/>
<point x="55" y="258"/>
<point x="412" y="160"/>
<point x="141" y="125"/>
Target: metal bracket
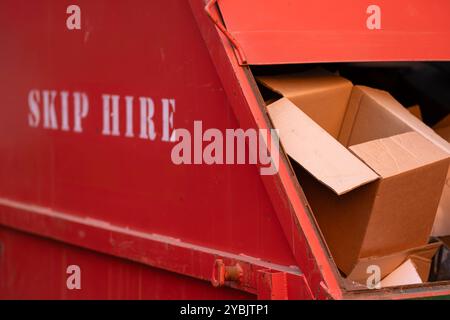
<point x="276" y="285"/>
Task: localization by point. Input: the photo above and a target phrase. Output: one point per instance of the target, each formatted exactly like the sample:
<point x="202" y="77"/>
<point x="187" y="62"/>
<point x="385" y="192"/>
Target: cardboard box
<point x="441" y="225"/>
<point x="439" y="136"/>
<point x="374" y="189"/>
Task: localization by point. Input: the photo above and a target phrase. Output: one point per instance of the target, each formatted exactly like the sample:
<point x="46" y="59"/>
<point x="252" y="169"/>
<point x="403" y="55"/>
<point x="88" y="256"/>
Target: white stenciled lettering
<point x="33" y="104"/>
<point x="129" y="105"/>
<point x="49" y="109"/>
<point x="119" y="116"/>
<point x="65" y="110"/>
<point x="81" y="109"/>
<point x="110" y="114"/>
<point x="168" y="106"/>
<point x="147" y="123"/>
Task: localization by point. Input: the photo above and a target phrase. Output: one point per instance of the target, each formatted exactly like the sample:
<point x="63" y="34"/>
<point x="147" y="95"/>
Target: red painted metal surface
<point x="116" y="202"/>
<point x="284" y="31"/>
<point x="113" y="193"/>
<point x="25" y="275"/>
<point x="165" y="252"/>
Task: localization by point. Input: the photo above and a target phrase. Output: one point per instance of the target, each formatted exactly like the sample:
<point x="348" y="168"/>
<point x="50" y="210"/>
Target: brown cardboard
<point x="389" y="215"/>
<point x="397" y="154"/>
<point x="414" y="270"/>
<point x="445" y="122"/>
<point x="408" y="273"/>
<point x="389" y="263"/>
<point x="375" y="114"/>
<point x="334" y="93"/>
<point x="441" y="225"/>
<point x="368" y="118"/>
<point x="444" y="132"/>
<point x="407" y="164"/>
<point x="440" y="136"/>
<point x="422" y="267"/>
<point x="358" y="215"/>
<point x="317" y="151"/>
<point x="415" y="111"/>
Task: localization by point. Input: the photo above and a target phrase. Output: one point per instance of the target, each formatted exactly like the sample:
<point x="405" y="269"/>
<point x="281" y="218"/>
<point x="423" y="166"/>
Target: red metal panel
<point x="139" y="48"/>
<point x="285" y="31"/>
<point x="32" y="267"/>
<point x="150" y="249"/>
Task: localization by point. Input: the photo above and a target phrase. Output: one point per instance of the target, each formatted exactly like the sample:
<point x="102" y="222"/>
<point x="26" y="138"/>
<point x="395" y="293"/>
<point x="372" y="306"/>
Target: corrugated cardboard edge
<point x="280" y="83"/>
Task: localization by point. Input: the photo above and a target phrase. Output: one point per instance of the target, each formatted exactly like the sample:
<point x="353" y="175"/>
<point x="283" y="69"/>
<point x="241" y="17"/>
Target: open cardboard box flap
<point x="316" y="150"/>
<point x="303" y="90"/>
<point x="397" y="154"/>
